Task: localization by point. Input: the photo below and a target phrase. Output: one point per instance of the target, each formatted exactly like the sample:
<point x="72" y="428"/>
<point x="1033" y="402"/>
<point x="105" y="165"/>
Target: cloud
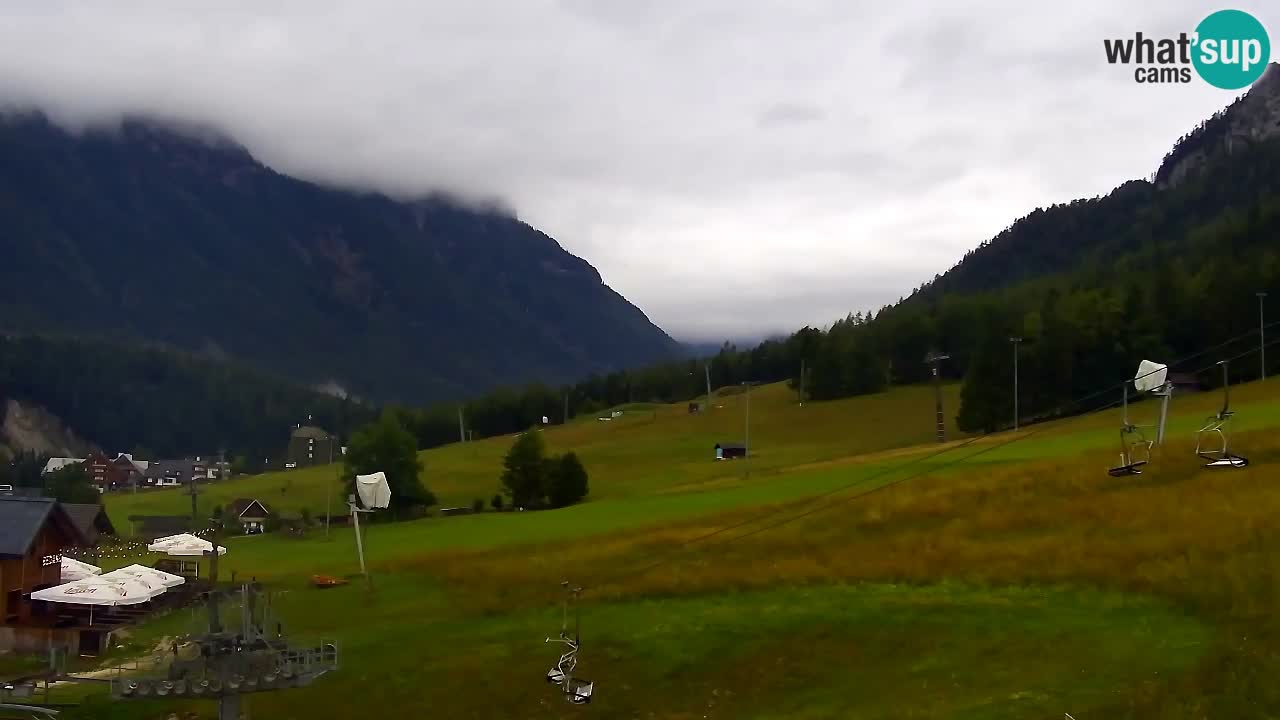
<point x="784" y="114"/>
<point x="734" y="168"/>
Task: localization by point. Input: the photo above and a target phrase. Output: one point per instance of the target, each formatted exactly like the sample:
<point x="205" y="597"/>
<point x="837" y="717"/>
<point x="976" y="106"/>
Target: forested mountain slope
<point x="147" y="234"/>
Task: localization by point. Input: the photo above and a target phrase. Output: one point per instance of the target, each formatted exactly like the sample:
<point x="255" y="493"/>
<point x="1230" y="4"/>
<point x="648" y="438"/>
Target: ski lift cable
<point x="686" y="545"/>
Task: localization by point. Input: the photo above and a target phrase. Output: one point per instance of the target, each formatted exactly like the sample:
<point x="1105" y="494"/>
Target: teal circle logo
<point x="1231" y="49"/>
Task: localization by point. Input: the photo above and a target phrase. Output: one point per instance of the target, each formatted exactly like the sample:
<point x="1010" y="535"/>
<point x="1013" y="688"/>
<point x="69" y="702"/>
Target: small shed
<point x="729" y="451"/>
<point x="250" y="513"/>
<point x="90" y="519"/>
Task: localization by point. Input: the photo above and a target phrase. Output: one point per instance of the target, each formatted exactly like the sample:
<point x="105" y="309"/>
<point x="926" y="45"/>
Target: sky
<point x="736" y="168"/>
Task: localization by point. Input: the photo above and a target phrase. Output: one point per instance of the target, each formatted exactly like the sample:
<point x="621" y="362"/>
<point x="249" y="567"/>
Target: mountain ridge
<point x="222" y="255"/>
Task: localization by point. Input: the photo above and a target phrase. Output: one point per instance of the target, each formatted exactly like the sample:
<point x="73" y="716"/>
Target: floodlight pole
<point x="462" y="433"/>
<point x="706" y="371"/>
<point x="802" y="382"/>
<point x="193" y="492"/>
<point x="746" y="421"/>
<point x="1016" y="341"/>
<point x="215" y="621"/>
<point x="328" y="500"/>
<point x="1262" y="334"/>
<point x="935" y="359"/>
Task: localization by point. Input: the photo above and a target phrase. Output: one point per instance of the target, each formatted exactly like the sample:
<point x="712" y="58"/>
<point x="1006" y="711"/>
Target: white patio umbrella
<point x="73" y="569"/>
<point x="146" y="574"/>
<point x="98" y="590"/>
<point x="184" y="545"/>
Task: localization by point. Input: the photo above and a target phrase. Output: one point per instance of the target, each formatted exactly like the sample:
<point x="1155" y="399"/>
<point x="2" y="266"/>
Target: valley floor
<point x="853" y="569"/>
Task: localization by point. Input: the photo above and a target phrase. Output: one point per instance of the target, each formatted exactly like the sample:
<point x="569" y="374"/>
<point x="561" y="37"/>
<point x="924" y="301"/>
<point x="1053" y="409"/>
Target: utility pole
<point x="193" y="492"/>
<point x="566" y="408"/>
<point x="1016" y="341"/>
<point x="801" y="381"/>
<point x="328" y="500"/>
<point x="935" y="359"/>
<point x="462" y="433"/>
<point x="1262" y="334"/>
<point x="706" y="370"/>
<point x="746" y="431"/>
<point x="746" y="441"/>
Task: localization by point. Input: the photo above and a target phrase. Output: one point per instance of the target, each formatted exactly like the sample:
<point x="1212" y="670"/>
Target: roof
<point x="158" y="468"/>
<point x="141" y="465"/>
<point x="240" y="506"/>
<point x="21" y="520"/>
<point x="90" y="519"/>
<point x="57" y="463"/>
<point x="310" y="431"/>
<point x="732" y="446"/>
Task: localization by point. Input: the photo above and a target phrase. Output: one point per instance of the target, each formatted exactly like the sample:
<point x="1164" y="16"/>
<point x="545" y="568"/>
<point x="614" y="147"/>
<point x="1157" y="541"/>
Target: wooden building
<point x="90" y="520"/>
<point x="33" y="534"/>
<point x="112" y="473"/>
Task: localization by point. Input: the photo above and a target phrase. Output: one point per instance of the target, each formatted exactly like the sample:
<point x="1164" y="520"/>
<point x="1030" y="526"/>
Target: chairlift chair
<point x="1135" y="448"/>
<point x="1217" y="453"/>
<point x="577" y="690"/>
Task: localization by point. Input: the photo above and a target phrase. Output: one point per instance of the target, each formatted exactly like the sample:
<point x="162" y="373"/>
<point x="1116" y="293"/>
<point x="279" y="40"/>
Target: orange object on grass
<point x="325" y="581"/>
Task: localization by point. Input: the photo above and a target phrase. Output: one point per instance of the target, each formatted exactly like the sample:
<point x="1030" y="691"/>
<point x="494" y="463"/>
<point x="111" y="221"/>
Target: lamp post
<point x="328" y="500"/>
<point x="1016" y="341"/>
<point x="935" y="359"/>
<point x="746" y="422"/>
<point x="706" y="371"/>
<point x="1262" y="334"/>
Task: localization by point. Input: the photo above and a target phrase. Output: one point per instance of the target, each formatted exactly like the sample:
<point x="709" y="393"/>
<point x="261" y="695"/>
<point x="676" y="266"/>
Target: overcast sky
<point x="735" y="168"/>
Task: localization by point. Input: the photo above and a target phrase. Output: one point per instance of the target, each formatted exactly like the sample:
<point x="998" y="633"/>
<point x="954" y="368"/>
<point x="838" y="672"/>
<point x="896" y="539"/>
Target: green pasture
<point x="867" y="572"/>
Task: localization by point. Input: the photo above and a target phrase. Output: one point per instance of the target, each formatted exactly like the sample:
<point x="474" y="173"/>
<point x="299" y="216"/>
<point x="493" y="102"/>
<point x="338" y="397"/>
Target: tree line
<point x="166" y="403"/>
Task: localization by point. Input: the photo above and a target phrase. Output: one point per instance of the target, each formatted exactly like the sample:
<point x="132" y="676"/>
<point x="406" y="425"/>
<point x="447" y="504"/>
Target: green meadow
<point x="854" y="567"/>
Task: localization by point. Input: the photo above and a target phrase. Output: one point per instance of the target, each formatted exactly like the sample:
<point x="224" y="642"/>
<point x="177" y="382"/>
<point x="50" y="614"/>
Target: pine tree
<point x="524" y="470"/>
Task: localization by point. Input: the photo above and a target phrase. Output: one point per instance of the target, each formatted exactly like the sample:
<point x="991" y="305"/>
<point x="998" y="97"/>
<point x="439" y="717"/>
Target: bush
<point x="534" y="480"/>
<point x="496" y="502"/>
<point x="477" y="505"/>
